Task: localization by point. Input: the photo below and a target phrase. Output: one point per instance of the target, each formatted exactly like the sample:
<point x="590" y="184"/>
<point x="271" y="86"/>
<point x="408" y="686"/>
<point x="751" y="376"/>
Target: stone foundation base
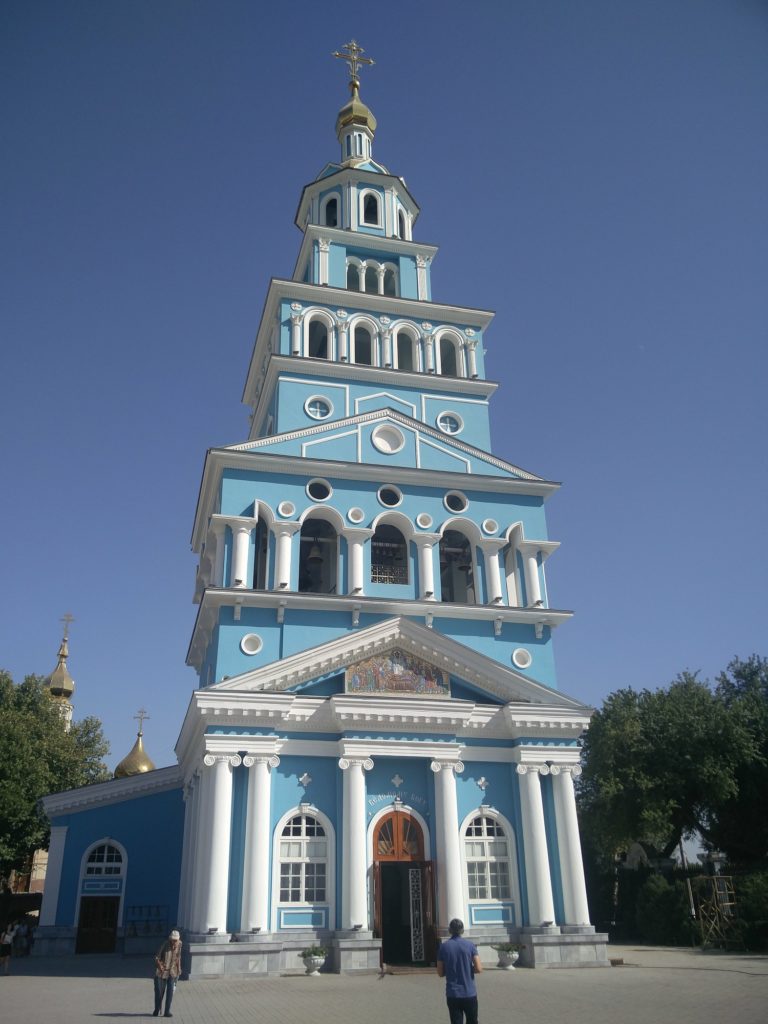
<point x="264" y="954"/>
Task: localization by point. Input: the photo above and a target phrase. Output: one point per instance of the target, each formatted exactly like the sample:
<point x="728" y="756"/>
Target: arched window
<point x="353" y="277"/>
<point x="389" y="555"/>
<point x="318" y="557"/>
<point x="390" y="282"/>
<point x="104" y="860"/>
<point x="486" y="848"/>
<point x="303" y="861"/>
<point x="371" y="209"/>
<point x="317" y="340"/>
<point x="404" y="351"/>
<point x="371" y="279"/>
<point x="457" y="576"/>
<point x="449" y="364"/>
<point x="398" y="837"/>
<point x="363" y="351"/>
<point x="331" y="217"/>
<point x="401" y="224"/>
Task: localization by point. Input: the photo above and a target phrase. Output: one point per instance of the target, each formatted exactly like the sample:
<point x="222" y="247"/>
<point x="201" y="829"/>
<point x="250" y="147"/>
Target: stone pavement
<point x="655" y="986"/>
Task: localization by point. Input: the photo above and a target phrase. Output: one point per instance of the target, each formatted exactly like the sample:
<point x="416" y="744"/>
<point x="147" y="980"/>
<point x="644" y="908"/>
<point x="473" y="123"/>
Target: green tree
<point x="739" y="826"/>
<point x="657" y="763"/>
<point x="38" y="755"/>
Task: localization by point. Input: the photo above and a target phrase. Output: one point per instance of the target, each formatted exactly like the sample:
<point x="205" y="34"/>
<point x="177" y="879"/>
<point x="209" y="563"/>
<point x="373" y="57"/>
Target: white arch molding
<point x="105" y="841"/>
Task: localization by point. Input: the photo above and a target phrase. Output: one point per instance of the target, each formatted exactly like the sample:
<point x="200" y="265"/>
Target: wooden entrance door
<point x="403" y="888"/>
<point x="97" y="927"/>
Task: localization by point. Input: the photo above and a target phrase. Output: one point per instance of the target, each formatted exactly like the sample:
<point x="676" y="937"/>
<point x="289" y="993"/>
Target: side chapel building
<point x="376" y="744"/>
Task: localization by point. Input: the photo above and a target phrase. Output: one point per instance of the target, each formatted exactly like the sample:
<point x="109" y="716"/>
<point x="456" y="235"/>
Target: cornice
<point x="112" y="792"/>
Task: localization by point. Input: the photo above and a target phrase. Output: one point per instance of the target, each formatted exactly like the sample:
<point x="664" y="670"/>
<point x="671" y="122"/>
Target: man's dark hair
<point x="456" y="926"/>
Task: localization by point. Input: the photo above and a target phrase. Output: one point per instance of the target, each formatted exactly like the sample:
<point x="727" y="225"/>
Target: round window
<point x="424" y="520"/>
<point x="490" y="526"/>
<point x="318" y="407"/>
<point x="521" y="658"/>
<point x="355" y="515"/>
<point x="286" y="508"/>
<point x="455" y="501"/>
<point x="387" y="439"/>
<point x="450" y="422"/>
<point x="390" y="496"/>
<point x="319" y="490"/>
<point x="251" y="643"/>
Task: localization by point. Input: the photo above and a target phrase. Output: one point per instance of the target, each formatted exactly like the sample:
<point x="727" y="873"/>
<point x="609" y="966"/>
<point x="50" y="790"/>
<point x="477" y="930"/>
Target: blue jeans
<point x="164" y="987"/>
<point x="460" y="1010"/>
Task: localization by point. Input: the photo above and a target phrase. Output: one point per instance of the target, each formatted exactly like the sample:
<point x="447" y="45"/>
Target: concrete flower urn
<point x="507" y="959"/>
<point x="313" y="959"/>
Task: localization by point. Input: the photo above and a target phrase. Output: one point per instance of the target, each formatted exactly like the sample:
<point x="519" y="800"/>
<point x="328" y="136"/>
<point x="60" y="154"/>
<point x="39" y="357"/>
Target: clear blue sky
<point x="595" y="171"/>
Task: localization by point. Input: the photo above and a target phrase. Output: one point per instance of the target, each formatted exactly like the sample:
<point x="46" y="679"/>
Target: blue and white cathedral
<point x="376" y="743"/>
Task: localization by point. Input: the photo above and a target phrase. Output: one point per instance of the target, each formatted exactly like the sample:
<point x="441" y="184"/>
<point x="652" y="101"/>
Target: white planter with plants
<point x="508" y="954"/>
<point x="313" y="958"/>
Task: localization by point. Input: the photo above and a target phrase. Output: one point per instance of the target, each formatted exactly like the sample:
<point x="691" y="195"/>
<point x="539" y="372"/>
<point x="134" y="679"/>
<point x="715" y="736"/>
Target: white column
<point x="471" y="350"/>
<point x="241" y="531"/>
<point x="569" y="846"/>
<point x="343" y="343"/>
<point x="429" y="351"/>
<point x="53" y="875"/>
<point x="425" y="543"/>
<point x="449" y="883"/>
<point x="491" y="550"/>
<point x="255" y="907"/>
<point x="295" y="334"/>
<point x="324" y="247"/>
<point x="201" y="844"/>
<point x="380" y="275"/>
<point x="356" y="540"/>
<point x="386" y="348"/>
<point x="540" y="904"/>
<point x="421" y="277"/>
<point x="284" y="535"/>
<point x="215" y="880"/>
<point x="354" y="202"/>
<point x="530" y="555"/>
<point x="354" y="867"/>
<point x="218" y="528"/>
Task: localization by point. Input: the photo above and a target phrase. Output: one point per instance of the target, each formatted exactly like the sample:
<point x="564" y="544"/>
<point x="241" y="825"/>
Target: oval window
<point x="286" y="508"/>
<point x="319" y="490"/>
<point x="424" y="520"/>
<point x="455" y="501"/>
<point x="390" y="496"/>
<point x="521" y="658"/>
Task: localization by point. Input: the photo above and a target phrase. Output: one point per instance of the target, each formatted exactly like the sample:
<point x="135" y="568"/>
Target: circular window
<point x="387" y="439"/>
<point x="319" y="490"/>
<point x="490" y="526"/>
<point x="522" y="658"/>
<point x="455" y="501"/>
<point x="286" y="508"/>
<point x="355" y="515"/>
<point x="390" y="496"/>
<point x="450" y="422"/>
<point x="318" y="407"/>
<point x="251" y="643"/>
<point x="424" y="520"/>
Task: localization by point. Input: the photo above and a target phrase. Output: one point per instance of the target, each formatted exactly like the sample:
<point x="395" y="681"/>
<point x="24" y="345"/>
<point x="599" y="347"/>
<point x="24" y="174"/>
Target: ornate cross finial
<point x="353" y="55"/>
<point x="66" y="618"/>
<point x="140" y="715"/>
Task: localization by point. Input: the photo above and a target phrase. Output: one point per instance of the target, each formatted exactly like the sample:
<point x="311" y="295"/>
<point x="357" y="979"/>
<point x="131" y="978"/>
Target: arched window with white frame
<point x="318" y="337"/>
<point x="490" y="866"/>
<point x="406" y="350"/>
<point x="449" y="356"/>
<point x="303" y="880"/>
<point x="371" y="209"/>
<point x="390" y="280"/>
<point x="329" y="215"/>
<point x="363" y="345"/>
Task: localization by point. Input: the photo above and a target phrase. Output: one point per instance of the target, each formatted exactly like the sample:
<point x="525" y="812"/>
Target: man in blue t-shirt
<point x="458" y="962"/>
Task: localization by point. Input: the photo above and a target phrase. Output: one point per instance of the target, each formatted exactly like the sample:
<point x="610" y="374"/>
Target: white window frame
<point x="379" y="206"/>
<point x="511" y="859"/>
<point x="105" y="841"/>
<point x="329" y="903"/>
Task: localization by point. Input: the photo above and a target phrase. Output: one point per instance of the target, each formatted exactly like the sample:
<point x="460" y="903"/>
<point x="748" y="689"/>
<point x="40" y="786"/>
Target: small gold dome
<point x="355" y="112"/>
<point x="136" y="762"/>
<point x="60" y="683"/>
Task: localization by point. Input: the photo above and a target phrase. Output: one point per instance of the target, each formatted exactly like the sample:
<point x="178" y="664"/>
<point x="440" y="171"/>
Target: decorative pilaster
<point x="324" y="248"/>
<point x="255" y="906"/>
<point x="295" y="334"/>
<point x="53" y="875"/>
<point x="569" y="846"/>
<point x="541" y="907"/>
<point x="354" y="889"/>
<point x="218" y="819"/>
<point x="450" y="896"/>
<point x="421" y="276"/>
<point x="470" y="348"/>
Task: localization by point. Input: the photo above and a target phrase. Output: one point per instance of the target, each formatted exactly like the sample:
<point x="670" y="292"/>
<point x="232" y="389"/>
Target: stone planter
<point x="507" y="960"/>
<point x="313" y="964"/>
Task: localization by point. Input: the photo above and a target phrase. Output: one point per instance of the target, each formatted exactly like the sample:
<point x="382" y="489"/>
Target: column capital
<point x="357" y="534"/>
<point x="285" y="529"/>
<point x="272" y="760"/>
<point x="425" y="539"/>
<point x="439" y="766"/>
<point x="350" y="762"/>
<point x="324" y="244"/>
<point x="492" y="544"/>
<point x="532" y="769"/>
<point x="233" y="759"/>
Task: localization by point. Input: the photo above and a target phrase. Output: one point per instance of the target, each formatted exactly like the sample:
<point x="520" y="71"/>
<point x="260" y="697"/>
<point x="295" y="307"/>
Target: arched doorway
<point x="403" y="890"/>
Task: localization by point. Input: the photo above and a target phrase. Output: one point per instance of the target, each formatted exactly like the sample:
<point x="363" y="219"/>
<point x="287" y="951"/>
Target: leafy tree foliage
<point x="39" y="756"/>
<point x="660" y="764"/>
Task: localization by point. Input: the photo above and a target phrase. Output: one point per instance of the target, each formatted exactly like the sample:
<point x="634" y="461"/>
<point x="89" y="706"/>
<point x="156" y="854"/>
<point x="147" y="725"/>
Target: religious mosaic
<point x="397" y="672"/>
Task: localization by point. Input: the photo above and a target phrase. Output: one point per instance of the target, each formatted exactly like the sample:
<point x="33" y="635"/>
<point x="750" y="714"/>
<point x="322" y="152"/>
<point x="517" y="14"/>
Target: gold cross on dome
<point x="66" y="619"/>
<point x="140" y="715"/>
<point x="353" y="56"/>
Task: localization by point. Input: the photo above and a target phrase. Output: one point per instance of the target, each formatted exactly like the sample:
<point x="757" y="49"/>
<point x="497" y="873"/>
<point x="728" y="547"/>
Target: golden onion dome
<point x="60" y="683"/>
<point x="137" y="761"/>
<point x="355" y="112"/>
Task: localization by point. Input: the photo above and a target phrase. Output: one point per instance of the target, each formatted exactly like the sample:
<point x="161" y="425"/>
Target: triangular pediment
<point x="402" y="659"/>
<point x="387" y="436"/>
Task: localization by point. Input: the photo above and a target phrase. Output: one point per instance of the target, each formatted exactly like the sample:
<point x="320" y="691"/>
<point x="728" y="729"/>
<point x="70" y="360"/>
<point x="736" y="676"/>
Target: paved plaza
<point x="654" y="986"/>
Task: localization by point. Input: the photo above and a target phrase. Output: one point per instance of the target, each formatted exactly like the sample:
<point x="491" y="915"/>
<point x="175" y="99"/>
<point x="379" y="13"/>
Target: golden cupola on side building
<point x="60" y="684"/>
<point x="137" y="761"/>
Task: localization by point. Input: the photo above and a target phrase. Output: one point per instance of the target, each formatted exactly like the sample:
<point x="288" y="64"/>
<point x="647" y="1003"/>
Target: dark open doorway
<point x="97" y="928"/>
